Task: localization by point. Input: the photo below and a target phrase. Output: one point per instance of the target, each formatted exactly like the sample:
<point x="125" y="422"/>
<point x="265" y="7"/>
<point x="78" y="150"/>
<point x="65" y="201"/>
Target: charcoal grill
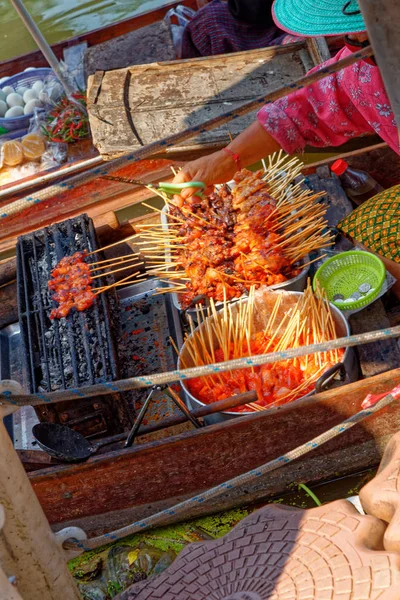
<point x="74" y="351"/>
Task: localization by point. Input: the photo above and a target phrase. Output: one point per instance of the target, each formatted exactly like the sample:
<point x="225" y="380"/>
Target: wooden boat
<point x="123" y="485"/>
<point x="82" y="155"/>
<point x="92" y="38"/>
<point x="99" y="201"/>
<point x="119" y="486"/>
<point x="93" y="197"/>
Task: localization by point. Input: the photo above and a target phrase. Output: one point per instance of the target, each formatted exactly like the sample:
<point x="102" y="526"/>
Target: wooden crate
<point x="141" y="104"/>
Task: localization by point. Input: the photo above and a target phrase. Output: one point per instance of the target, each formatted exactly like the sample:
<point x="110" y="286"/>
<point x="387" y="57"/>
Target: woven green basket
<point x="343" y="274"/>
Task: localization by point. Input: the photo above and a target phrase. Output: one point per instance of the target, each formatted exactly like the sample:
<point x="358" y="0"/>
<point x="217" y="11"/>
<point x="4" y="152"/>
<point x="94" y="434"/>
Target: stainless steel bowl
<point x="349" y="362"/>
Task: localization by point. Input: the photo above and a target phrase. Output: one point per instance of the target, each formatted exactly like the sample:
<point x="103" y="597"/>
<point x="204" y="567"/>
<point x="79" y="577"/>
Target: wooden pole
<point x="42" y="44"/>
<point x="382" y="18"/>
<point x="7" y="589"/>
<point x="28" y="548"/>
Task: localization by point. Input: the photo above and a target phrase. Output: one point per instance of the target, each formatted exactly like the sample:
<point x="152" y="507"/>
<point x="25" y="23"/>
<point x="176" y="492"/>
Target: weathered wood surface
<point x="97" y="36"/>
<point x="8" y="271"/>
<point x="377" y="357"/>
<point x="380" y="161"/>
<point x="338" y="204"/>
<point x="382" y="20"/>
<point x="383" y="164"/>
<point x="94" y="198"/>
<point x="155" y="474"/>
<point x="149" y="44"/>
<point x="8" y="304"/>
<point x="141" y="104"/>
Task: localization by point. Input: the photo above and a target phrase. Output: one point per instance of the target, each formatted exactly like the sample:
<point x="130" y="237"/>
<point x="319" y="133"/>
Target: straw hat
<point x="318" y="17"/>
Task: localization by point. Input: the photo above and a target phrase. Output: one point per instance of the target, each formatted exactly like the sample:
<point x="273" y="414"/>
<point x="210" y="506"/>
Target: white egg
<point x="14" y="99"/>
<point x="15" y="111"/>
<point x="2" y="95"/>
<point x="8" y="90"/>
<point x="21" y="90"/>
<point x="29" y="106"/>
<point x="3" y="108"/>
<point x="30" y="95"/>
<point x="4" y="79"/>
<point x="30" y="69"/>
<point x="38" y="86"/>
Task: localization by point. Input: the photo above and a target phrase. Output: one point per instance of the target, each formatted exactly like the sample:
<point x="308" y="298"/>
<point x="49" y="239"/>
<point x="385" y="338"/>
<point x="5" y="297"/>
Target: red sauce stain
<point x="137" y="331"/>
<point x="138" y="358"/>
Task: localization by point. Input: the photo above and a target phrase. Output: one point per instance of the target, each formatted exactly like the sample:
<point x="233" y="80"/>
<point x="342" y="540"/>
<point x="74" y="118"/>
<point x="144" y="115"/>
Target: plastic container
<point x="27" y="79"/>
<point x="349" y="274"/>
<point x="349" y="362"/>
<point x="358" y="185"/>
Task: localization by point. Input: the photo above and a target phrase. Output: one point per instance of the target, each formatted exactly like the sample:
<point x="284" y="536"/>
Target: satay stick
<point x="115" y="284"/>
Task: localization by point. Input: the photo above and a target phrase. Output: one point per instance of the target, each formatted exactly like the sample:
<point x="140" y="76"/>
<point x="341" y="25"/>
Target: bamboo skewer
<point x="308" y="321"/>
<point x="128" y="261"/>
<point x="298" y="220"/>
<point x="123" y="281"/>
<point x="130" y="266"/>
<point x="99" y="262"/>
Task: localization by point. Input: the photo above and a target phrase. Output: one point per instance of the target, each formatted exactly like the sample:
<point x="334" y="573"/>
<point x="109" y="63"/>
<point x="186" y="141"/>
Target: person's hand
<point x="214" y="168"/>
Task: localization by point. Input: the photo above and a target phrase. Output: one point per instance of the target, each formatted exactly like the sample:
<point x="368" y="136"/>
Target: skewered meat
<point x="71" y="283"/>
<point x="227" y="243"/>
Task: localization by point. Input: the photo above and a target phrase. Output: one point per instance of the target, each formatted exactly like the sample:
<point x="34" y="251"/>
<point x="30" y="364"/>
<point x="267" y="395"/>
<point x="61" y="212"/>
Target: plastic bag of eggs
<point x="19" y="101"/>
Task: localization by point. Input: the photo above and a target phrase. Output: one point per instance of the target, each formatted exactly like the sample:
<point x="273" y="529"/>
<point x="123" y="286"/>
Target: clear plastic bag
<point x="67" y="120"/>
<point x="30" y="154"/>
<point x="178" y="18"/>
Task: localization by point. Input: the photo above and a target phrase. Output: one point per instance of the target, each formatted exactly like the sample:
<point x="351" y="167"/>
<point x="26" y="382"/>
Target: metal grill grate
<point x="68" y="352"/>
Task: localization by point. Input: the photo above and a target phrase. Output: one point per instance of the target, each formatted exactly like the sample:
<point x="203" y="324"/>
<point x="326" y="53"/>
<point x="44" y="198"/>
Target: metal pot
<point x="348" y="369"/>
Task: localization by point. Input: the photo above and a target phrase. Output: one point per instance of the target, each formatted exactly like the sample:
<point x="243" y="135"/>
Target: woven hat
<point x="318" y="17"/>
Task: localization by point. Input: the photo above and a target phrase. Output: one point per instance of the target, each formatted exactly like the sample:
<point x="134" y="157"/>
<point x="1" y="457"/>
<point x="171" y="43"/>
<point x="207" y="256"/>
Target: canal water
<point x="61" y="19"/>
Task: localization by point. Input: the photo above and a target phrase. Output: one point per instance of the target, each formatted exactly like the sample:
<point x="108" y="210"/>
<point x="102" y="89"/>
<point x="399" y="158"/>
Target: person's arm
<point x="251" y="145"/>
<point x="320" y="115"/>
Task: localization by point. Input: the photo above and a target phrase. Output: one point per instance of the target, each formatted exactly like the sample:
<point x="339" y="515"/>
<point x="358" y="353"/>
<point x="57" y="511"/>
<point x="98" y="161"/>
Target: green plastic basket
<point x="343" y="274"/>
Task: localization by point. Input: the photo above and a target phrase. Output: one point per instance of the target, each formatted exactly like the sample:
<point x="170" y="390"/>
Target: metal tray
<point x="147" y="322"/>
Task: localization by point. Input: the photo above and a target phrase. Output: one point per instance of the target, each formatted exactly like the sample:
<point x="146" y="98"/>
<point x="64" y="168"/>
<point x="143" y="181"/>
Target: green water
<point x="61" y="19"/>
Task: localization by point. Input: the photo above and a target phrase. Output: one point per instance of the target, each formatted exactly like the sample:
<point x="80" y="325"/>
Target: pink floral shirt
<point x="342" y="106"/>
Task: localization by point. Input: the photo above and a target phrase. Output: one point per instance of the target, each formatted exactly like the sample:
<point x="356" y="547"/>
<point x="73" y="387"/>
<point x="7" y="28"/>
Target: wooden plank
<point x="8" y="304"/>
<point x="151" y="43"/>
<point x="380" y="161"/>
<point x="148" y="102"/>
<point x="377" y="357"/>
<point x="96" y="36"/>
<point x="311" y="470"/>
<point x="8" y="271"/>
<point x="95" y="198"/>
<point x="191" y="462"/>
<point x="318" y="50"/>
<point x="345" y="156"/>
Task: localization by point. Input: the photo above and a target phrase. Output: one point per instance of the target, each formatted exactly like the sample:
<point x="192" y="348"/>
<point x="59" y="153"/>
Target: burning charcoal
<point x="74" y="351"/>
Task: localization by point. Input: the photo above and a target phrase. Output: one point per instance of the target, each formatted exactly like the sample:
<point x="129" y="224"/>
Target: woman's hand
<point x="214" y="168"/>
<point x="251" y="145"/>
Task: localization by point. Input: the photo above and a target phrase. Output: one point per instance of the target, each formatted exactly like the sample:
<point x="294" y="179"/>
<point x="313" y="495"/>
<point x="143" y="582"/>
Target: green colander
<point x="351" y="273"/>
